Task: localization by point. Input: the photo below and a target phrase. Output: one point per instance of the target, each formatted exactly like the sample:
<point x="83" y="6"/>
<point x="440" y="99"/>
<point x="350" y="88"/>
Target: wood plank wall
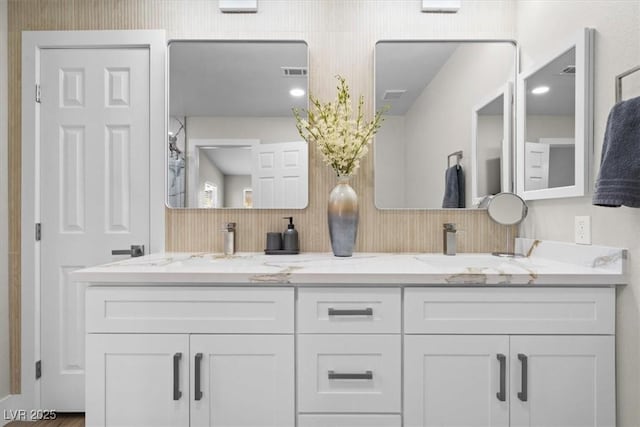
<point x="341" y="35"/>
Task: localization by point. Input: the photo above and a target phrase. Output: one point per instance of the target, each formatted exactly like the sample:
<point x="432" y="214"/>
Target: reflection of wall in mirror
<point x="437" y="123"/>
<point x="266" y="129"/>
<point x="208" y="172"/>
<point x="389" y="151"/>
<point x="489" y="150"/>
<point x="234" y="186"/>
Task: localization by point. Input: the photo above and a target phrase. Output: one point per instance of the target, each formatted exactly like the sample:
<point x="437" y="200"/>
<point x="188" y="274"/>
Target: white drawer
<point x="349" y="310"/>
<point x="349" y="420"/>
<point x="190" y="310"/>
<point x="349" y="373"/>
<point x="509" y="310"/>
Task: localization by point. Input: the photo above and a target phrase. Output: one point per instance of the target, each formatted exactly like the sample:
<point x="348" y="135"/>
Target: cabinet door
<point x="242" y="380"/>
<point x="566" y="380"/>
<point x="137" y="380"/>
<point x="456" y="380"/>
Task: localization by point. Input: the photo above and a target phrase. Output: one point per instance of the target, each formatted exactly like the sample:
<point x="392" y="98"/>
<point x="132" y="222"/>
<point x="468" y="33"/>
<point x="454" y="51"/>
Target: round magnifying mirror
<point x="507" y="209"/>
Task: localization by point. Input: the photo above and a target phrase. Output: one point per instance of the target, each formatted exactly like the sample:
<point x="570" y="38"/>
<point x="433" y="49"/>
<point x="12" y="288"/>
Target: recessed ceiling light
<point x="540" y="90"/>
<point x="297" y="92"/>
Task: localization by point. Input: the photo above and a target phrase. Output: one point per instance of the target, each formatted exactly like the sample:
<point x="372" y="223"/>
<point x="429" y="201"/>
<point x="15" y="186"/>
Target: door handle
<point x="502" y="394"/>
<point x="135" y="251"/>
<point x="522" y="395"/>
<point x="177" y="394"/>
<point x="366" y="375"/>
<point x="357" y="312"/>
<point x="197" y="389"/>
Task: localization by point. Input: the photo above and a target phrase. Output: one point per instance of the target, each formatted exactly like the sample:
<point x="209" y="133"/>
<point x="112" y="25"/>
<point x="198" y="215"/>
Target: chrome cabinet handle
<point x="502" y="394"/>
<point x="353" y="312"/>
<point x="134" y="251"/>
<point x="366" y="375"/>
<point x="177" y="394"/>
<point x="522" y="395"/>
<point x="197" y="390"/>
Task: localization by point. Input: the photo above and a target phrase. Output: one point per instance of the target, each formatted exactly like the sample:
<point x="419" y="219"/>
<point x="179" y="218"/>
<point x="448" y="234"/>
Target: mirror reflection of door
<point x="550" y="124"/>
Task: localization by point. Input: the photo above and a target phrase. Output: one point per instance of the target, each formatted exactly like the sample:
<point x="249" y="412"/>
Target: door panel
<point x="130" y="380"/>
<point x="570" y="381"/>
<point x="453" y="380"/>
<point x="94" y="186"/>
<point x="246" y="380"/>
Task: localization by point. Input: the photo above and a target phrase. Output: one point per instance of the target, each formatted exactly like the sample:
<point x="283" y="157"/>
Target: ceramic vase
<point x="342" y="214"/>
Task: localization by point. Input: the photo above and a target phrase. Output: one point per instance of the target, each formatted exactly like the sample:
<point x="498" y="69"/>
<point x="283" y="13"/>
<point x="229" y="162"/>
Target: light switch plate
<point x="441" y="6"/>
<point x="583" y="230"/>
<point x="238" y="6"/>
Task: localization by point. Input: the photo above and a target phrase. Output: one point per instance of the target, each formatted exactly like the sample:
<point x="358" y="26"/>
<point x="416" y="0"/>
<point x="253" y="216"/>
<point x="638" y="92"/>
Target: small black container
<point x="274" y="241"/>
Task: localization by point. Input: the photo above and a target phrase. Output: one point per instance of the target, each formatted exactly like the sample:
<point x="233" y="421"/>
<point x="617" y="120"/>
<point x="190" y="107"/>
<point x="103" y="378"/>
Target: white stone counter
<point x="544" y="263"/>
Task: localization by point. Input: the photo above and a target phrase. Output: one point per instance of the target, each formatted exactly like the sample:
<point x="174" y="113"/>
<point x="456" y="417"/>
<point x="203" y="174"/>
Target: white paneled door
<point x="94" y="186"/>
<point x="280" y="175"/>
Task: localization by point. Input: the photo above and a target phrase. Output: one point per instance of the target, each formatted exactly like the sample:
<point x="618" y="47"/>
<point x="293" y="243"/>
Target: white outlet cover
<point x="250" y="6"/>
<point x="446" y="6"/>
<point x="583" y="230"/>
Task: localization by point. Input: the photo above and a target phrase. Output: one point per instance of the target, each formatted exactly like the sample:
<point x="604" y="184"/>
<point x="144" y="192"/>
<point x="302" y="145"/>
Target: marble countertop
<point x="544" y="263"/>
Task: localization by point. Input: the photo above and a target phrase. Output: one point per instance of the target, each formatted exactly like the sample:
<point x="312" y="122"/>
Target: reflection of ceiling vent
<point x="294" y="71"/>
<point x="392" y="94"/>
<point x="569" y="69"/>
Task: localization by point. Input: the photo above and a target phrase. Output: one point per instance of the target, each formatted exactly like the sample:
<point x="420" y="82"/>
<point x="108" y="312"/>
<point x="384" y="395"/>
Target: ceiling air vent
<point x="392" y="94"/>
<point x="569" y="69"/>
<point x="294" y="71"/>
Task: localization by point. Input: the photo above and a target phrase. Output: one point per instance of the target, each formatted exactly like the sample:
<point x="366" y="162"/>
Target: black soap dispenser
<point x="290" y="242"/>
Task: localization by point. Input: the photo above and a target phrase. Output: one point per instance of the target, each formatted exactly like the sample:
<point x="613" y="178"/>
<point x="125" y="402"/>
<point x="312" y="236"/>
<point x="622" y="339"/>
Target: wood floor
<point x="62" y="420"/>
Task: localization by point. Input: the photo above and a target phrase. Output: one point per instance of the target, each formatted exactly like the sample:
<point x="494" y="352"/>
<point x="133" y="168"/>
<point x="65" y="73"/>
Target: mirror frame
<point x="167" y="120"/>
<point x="506" y="167"/>
<point x="511" y="174"/>
<point x="583" y="43"/>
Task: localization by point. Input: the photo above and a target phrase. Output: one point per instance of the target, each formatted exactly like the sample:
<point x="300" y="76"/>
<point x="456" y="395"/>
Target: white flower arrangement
<point x="342" y="139"/>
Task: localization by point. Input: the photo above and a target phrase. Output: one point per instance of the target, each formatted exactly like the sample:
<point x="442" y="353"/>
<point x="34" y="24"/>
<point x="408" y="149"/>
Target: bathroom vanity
<point x="373" y="340"/>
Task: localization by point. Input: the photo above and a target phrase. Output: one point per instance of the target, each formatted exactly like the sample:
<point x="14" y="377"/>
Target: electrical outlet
<point x="583" y="230"/>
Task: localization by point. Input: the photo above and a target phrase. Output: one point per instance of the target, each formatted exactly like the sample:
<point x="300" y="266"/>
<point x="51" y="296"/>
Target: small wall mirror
<point x="555" y="123"/>
<point x="232" y="140"/>
<point x="432" y="88"/>
<point x="491" y="145"/>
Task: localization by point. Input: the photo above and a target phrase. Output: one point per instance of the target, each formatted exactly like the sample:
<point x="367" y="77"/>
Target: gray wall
<point x="541" y="26"/>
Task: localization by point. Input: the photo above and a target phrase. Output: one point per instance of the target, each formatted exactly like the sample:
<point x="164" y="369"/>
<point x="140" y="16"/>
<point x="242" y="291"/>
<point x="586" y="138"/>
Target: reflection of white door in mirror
<point x="555" y="123"/>
<point x="491" y="144"/>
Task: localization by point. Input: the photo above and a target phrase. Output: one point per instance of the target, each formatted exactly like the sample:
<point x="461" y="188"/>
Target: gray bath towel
<point x="453" y="188"/>
<point x="619" y="179"/>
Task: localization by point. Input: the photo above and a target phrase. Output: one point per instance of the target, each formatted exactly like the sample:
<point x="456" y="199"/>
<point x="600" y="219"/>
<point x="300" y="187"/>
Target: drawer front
<point x="509" y="310"/>
<point x="190" y="310"/>
<point x="349" y="373"/>
<point x="347" y="420"/>
<point x="349" y="310"/>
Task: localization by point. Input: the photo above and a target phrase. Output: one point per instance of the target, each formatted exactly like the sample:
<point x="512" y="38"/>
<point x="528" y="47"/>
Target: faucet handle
<point x="449" y="226"/>
<point x="229" y="226"/>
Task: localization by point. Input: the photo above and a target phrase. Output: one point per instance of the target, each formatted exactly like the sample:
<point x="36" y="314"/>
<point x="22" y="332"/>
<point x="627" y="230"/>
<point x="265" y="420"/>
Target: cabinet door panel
<point x="246" y="380"/>
<point x="570" y="381"/>
<point x="130" y="380"/>
<point x="454" y="380"/>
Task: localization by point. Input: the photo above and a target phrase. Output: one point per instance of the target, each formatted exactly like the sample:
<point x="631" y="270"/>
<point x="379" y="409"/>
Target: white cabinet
<point x="242" y="380"/>
<point x="570" y="381"/>
<point x="147" y="367"/>
<point x="527" y="376"/>
<point x="137" y="380"/>
<point x="455" y="380"/>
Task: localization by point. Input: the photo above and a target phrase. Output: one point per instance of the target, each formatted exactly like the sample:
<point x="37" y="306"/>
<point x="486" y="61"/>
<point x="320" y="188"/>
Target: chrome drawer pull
<point x="353" y="312"/>
<point x="366" y="375"/>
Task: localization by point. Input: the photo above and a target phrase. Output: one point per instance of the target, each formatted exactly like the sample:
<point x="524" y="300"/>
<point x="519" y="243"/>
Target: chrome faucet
<point x="229" y="231"/>
<point x="449" y="239"/>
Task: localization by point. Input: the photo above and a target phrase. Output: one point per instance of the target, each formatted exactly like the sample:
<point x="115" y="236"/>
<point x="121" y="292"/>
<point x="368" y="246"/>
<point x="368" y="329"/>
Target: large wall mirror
<point x="232" y="139"/>
<point x="555" y="123"/>
<point x="446" y="99"/>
